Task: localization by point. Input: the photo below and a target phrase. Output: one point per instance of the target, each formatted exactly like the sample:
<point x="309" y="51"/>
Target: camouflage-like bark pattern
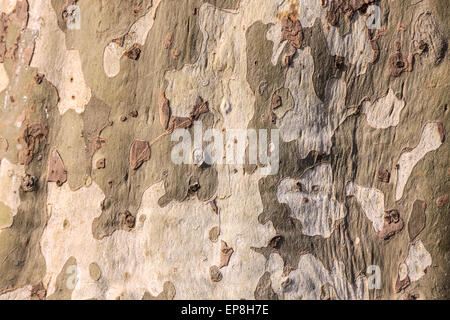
<point x="92" y="207"/>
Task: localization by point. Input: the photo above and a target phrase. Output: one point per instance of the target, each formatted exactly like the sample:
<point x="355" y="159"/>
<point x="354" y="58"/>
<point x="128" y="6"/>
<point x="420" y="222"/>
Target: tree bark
<point x="224" y="149"/>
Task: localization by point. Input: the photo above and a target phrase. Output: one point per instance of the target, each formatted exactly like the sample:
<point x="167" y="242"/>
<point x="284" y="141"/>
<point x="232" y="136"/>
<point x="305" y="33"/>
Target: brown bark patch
<point x="164" y="110"/>
<point x="225" y="254"/>
<point x="31" y="137"/>
<point x="139" y="153"/>
<point x="392" y="224"/>
<point x="29" y="183"/>
<point x="168" y="40"/>
<point x="38" y="291"/>
<point x="214" y="274"/>
<point x="199" y="107"/>
<point x="442" y="200"/>
<point x="134" y="52"/>
<point x="383" y="175"/>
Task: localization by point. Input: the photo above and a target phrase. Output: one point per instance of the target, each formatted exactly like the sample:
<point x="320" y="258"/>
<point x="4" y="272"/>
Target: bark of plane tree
<point x="353" y="206"/>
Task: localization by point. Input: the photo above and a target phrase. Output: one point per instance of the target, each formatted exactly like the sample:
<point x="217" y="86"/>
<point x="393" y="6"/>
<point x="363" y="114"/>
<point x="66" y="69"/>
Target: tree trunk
<point x="224" y="149"/>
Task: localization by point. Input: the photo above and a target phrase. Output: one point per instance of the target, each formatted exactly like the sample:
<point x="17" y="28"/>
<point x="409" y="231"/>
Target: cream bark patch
<point x="307" y="280"/>
<point x="68" y="231"/>
<point x="430" y="140"/>
<point x="372" y="203"/>
<point x="241" y="230"/>
<point x="62" y="67"/>
<point x="311" y="201"/>
<point x="6" y="217"/>
<point x="4" y="79"/>
<point x="417" y="261"/>
<point x="171" y="244"/>
<point x="385" y="112"/>
<point x="10" y="180"/>
<point x="7" y="6"/>
<point x="23" y="293"/>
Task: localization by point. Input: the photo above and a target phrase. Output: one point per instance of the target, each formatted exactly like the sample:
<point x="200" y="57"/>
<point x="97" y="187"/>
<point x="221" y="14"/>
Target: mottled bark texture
<point x="93" y="206"/>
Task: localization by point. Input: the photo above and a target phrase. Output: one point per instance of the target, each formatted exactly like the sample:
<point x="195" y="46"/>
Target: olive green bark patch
<point x="95" y="119"/>
<point x="168" y="293"/>
<point x="66" y="281"/>
<point x="264" y="289"/>
<point x="324" y="64"/>
<point x="417" y="220"/>
<point x="224" y="4"/>
<point x="213" y="234"/>
<point x="94" y="271"/>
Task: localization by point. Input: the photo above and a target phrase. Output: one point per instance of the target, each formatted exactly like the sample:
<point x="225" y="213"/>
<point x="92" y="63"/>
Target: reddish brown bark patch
<point x="347" y="7"/>
<point x="174" y="53"/>
<point x="178" y="122"/>
<point x="383" y="175"/>
<point x="275" y="242"/>
<point x="18" y="21"/>
<point x="127" y="220"/>
<point x="397" y="63"/>
<point x="28" y="183"/>
<point x="98" y="143"/>
<point x="401" y="284"/>
<point x="38" y="291"/>
<point x="225" y="254"/>
<point x="101" y="163"/>
<point x="442" y="200"/>
<point x="276" y="101"/>
<point x="199" y="107"/>
<point x="164" y="110"/>
<point x="139" y="153"/>
<point x="292" y="31"/>
<point x="168" y="40"/>
<point x="31" y="137"/>
<point x="134" y="52"/>
<point x="392" y="224"/>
